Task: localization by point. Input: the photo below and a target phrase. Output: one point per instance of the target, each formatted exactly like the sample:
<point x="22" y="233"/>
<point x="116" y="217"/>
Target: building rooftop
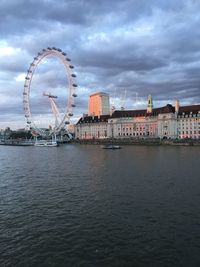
<point x="99" y="93"/>
<point x="140" y="113"/>
<point x="93" y="119"/>
<point x="143" y="113"/>
<point x="187" y="109"/>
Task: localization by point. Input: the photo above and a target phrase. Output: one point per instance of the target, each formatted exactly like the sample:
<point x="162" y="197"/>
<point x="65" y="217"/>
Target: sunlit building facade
<point x="92" y="127"/>
<point x="99" y="104"/>
<point x="188" y="122"/>
<point x="168" y="122"/>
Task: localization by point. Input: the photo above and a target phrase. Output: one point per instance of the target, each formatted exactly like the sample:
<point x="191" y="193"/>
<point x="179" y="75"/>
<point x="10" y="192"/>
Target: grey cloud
<point x="134" y="45"/>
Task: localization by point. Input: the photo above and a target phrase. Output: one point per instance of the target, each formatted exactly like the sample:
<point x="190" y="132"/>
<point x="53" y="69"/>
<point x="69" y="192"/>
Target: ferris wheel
<point x="60" y="119"/>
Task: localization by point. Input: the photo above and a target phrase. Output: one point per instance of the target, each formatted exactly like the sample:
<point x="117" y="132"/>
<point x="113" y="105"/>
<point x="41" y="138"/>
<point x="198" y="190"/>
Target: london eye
<point x="61" y="119"/>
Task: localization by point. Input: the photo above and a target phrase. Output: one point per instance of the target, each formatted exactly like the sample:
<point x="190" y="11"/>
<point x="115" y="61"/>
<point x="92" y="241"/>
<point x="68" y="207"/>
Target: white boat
<point x="46" y="143"/>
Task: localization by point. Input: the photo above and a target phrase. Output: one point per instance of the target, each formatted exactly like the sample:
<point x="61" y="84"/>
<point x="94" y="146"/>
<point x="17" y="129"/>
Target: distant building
<point x="99" y="104"/>
<point x="92" y="127"/>
<point x="167" y="122"/>
<point x="188" y="122"/>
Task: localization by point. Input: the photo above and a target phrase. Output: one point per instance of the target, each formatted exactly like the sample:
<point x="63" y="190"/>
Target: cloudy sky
<point x="129" y="48"/>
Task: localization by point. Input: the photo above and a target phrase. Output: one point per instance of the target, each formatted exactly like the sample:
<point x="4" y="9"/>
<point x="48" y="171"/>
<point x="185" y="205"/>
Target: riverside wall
<point x="150" y="142"/>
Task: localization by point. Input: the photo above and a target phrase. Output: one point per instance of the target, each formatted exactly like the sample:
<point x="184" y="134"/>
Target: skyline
<point x="143" y="48"/>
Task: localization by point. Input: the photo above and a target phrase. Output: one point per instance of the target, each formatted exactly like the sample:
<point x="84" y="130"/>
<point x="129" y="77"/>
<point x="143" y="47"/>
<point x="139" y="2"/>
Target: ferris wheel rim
<point x="57" y="52"/>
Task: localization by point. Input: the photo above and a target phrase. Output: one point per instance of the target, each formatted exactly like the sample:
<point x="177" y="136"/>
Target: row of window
<point x="136" y="134"/>
<point x="189" y="132"/>
<point x="187" y="123"/>
<point x="193" y="119"/>
<point x="189" y="128"/>
<point x="137" y="129"/>
<point x="190" y="116"/>
<point x="189" y="136"/>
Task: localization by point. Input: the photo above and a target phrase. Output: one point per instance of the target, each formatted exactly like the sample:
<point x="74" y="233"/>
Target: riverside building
<point x="99" y="104"/>
<point x="168" y="122"/>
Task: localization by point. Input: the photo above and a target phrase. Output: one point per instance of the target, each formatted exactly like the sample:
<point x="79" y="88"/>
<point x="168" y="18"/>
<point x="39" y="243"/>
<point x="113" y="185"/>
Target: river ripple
<point x="80" y="205"/>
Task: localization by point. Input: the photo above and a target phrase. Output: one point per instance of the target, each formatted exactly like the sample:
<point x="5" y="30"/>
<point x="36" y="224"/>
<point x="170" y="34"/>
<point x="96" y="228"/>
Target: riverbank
<point x="144" y="142"/>
<point x="150" y="142"/>
<point x="17" y="143"/>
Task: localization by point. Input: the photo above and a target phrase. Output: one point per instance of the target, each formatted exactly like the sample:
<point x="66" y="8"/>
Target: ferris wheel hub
<point x="49" y="95"/>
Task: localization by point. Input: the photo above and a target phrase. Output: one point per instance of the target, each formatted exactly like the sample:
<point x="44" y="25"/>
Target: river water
<point x="80" y="205"/>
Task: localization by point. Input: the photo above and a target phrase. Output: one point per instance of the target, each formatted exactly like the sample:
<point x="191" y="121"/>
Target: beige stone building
<point x="166" y="122"/>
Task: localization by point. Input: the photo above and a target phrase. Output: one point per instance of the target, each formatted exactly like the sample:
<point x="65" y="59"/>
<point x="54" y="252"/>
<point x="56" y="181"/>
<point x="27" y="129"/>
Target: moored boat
<point x="46" y="143"/>
<point x="111" y="147"/>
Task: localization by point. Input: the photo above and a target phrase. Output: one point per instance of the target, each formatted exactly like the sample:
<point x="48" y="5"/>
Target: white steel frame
<point x="50" y="51"/>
